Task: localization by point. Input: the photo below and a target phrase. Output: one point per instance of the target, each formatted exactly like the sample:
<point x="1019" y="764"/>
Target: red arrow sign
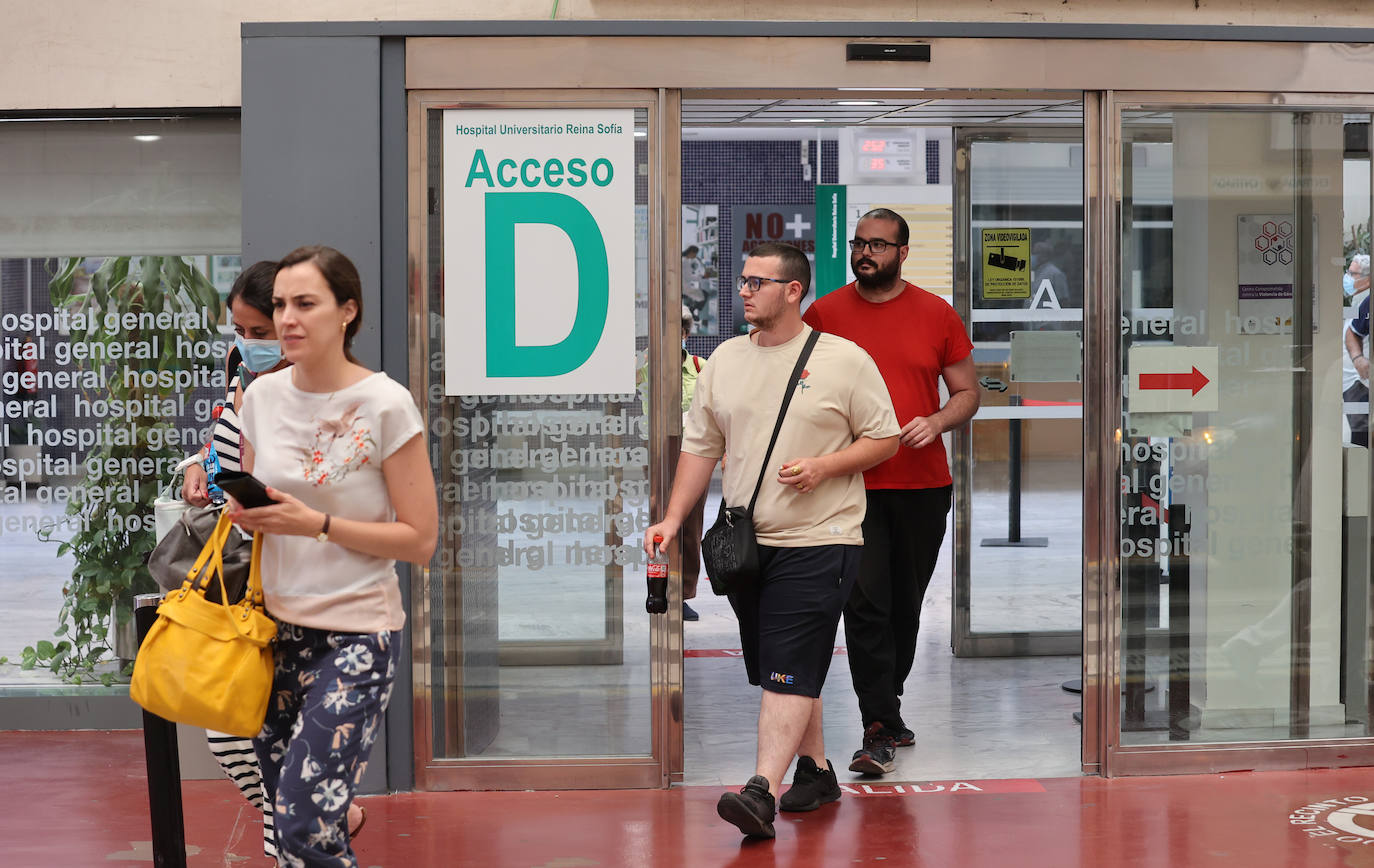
<point x="1194" y="381"/>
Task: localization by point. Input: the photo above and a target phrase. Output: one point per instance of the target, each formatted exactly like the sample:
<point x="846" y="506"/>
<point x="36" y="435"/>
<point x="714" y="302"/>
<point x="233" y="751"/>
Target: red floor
<point x="79" y="799"/>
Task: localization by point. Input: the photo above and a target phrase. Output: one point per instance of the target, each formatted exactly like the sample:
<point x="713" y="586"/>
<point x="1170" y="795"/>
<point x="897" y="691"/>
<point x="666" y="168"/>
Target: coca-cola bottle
<point x="657" y="601"/>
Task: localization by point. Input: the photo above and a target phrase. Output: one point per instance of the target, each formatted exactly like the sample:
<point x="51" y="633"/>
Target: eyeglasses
<point x="877" y="245"/>
<point x="755" y="282"/>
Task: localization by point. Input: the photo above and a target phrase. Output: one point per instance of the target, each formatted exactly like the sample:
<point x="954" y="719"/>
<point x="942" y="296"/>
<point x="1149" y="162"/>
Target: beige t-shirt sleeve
<point x="870" y="406"/>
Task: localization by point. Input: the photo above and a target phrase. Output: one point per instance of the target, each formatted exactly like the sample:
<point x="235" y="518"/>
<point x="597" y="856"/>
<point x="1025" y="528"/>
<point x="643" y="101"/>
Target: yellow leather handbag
<point x="209" y="664"/>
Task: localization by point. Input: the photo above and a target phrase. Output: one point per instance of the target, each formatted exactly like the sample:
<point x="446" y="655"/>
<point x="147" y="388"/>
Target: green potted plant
<point x="138" y="313"/>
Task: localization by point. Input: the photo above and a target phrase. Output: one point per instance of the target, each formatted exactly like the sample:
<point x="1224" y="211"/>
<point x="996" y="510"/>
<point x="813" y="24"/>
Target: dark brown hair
<point x="903" y="232"/>
<point x="794" y="263"/>
<point x="254" y="286"/>
<point x="342" y="277"/>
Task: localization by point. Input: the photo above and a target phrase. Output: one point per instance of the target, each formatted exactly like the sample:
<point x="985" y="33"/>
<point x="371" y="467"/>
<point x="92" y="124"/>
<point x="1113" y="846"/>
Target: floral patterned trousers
<point x="329" y="693"/>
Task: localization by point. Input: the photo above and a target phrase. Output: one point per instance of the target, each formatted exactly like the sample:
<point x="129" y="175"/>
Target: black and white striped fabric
<point x="225" y="436"/>
<point x="234" y="754"/>
<point x="240" y="762"/>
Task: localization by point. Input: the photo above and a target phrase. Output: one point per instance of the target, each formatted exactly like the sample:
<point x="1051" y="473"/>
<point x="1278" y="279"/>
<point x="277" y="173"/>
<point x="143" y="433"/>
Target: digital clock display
<point x="884" y="165"/>
<point x="884" y="155"/>
<point x="901" y="147"/>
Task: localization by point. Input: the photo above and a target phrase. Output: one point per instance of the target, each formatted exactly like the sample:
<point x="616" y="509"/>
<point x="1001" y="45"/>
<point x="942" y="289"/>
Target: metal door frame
<point x="771" y="58"/>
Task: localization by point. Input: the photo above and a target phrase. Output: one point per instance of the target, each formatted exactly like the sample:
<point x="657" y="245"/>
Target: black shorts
<point x="787" y="622"/>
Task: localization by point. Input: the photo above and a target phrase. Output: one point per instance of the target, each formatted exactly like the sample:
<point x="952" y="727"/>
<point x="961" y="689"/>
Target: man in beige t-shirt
<point x="808" y="517"/>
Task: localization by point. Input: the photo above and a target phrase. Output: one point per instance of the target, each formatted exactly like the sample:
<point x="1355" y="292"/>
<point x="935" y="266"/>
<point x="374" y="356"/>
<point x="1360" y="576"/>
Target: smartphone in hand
<point x="247" y="489"/>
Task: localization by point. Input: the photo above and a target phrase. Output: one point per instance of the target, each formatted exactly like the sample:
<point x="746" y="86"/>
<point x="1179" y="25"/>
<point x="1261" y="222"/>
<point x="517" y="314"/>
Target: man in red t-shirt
<point x="916" y="338"/>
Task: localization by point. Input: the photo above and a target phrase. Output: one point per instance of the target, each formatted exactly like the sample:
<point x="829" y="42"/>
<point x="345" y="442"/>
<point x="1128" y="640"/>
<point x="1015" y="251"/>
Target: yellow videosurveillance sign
<point x="1006" y="263"/>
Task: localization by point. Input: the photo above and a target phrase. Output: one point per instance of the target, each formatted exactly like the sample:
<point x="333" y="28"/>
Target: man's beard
<point x="881" y="277"/>
<point x="761" y="320"/>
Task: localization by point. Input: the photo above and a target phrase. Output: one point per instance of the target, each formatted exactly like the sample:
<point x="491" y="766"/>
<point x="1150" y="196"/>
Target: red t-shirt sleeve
<point x="957" y="344"/>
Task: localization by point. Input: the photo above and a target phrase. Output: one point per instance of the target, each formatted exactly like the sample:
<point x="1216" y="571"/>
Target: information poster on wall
<point x="1006" y="263"/>
<point x="1265" y="255"/>
<point x="832" y="238"/>
<point x="539" y="251"/>
<point x="752" y="225"/>
<point x="701" y="267"/>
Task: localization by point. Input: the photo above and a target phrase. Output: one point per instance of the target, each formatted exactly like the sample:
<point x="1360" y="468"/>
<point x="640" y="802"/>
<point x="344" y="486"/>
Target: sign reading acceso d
<point x="539" y="251"/>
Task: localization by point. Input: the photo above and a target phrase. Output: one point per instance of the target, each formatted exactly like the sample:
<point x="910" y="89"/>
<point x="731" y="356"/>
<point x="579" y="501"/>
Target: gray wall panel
<point x="395" y="333"/>
<point x="311" y="157"/>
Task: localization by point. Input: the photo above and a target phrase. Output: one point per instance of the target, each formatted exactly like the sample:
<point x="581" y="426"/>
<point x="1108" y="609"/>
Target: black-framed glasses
<point x="877" y="245"/>
<point x="755" y="282"/>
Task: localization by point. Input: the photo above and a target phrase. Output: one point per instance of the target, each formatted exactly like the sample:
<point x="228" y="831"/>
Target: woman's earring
<point x="343" y="326"/>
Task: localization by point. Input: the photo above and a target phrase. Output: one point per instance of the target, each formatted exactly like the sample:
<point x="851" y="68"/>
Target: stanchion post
<point x="1014" y="476"/>
<point x="1181" y="718"/>
<point x="1013" y="538"/>
<point x="163" y="763"/>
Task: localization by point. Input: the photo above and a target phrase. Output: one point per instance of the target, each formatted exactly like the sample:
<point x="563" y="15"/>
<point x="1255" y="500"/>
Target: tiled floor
<point x="974" y="718"/>
<point x="79" y="799"/>
<point x="993" y="780"/>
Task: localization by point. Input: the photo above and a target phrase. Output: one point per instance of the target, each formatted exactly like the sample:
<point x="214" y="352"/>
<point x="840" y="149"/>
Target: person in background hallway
<point x="342" y="450"/>
<point x="1356" y="279"/>
<point x="1355" y="370"/>
<point x="808" y="517"/>
<point x="916" y="339"/>
<point x="692" y="525"/>
<point x="1043" y="269"/>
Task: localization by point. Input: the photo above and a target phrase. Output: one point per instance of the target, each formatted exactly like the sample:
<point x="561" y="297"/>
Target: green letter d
<point x="506" y="358"/>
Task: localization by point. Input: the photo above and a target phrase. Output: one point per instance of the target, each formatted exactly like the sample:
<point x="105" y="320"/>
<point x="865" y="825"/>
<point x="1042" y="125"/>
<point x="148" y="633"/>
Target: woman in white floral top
<point x="340" y="447"/>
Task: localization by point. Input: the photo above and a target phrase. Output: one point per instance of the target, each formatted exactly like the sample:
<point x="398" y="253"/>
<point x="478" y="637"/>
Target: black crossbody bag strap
<point x="782" y="412"/>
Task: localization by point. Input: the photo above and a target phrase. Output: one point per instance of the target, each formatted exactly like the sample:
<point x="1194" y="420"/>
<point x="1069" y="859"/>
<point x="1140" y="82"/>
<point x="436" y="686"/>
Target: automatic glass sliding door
<point x="1019" y="284"/>
<point x="536" y="665"/>
<point x="1243" y="498"/>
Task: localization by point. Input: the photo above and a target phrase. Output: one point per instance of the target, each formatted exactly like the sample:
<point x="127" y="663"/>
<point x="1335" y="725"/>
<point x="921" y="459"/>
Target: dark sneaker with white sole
<point x="902" y="737"/>
<point x="751" y="810"/>
<point x="878" y="756"/>
<point x="811" y="787"/>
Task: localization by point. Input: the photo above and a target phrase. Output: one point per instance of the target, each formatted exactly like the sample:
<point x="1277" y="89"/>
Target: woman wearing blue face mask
<point x="256" y="351"/>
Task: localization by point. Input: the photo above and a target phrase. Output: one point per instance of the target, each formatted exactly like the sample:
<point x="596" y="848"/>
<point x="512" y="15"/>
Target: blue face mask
<point x="258" y="356"/>
<point x="1348" y="283"/>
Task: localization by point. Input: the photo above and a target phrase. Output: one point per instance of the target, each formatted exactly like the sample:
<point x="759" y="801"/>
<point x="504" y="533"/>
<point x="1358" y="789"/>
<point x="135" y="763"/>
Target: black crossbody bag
<point x="729" y="549"/>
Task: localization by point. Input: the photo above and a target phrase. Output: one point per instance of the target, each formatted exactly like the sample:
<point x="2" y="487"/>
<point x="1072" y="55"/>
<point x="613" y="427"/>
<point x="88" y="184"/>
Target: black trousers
<point x="1358" y="393"/>
<point x="903" y="530"/>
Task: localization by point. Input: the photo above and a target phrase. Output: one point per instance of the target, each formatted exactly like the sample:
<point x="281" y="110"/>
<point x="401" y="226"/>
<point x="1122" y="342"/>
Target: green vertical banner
<point x="832" y="247"/>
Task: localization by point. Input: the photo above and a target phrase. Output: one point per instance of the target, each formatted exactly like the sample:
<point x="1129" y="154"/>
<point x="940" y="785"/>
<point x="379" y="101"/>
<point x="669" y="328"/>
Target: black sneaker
<point x="751" y="810"/>
<point x="811" y="787"/>
<point x="901" y="737"/>
<point x="689" y="614"/>
<point x="878" y="756"/>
